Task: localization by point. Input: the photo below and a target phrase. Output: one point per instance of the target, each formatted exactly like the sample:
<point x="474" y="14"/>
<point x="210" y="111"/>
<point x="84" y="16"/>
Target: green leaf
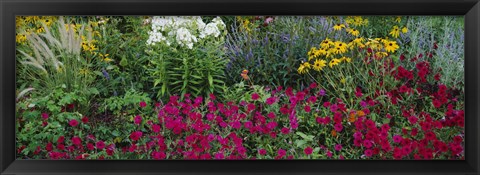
<point x="300" y="143"/>
<point x="210" y="80"/>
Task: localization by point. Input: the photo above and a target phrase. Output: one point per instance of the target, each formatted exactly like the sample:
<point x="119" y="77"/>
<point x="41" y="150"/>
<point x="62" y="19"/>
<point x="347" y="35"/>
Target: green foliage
<point x="56" y="61"/>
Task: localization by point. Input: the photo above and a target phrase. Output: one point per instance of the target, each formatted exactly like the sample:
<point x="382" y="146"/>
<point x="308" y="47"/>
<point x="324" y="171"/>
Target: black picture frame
<point x="10" y="8"/>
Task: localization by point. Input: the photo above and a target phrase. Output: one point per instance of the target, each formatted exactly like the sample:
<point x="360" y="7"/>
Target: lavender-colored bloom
<point x="105" y="74"/>
<point x="322" y="92"/>
<point x="265" y="40"/>
<point x="285" y="38"/>
<point x="249" y="55"/>
<point x="363" y="103"/>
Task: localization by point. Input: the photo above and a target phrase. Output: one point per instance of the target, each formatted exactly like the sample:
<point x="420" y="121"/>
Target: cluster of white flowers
<point x="183" y="30"/>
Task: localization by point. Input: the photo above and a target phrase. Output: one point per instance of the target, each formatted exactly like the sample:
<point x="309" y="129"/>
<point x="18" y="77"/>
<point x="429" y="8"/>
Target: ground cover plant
<point x="240" y="87"/>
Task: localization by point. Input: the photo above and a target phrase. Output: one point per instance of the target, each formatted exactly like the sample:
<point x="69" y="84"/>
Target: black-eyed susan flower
<point x="338" y="26"/>
<point x="319" y="64"/>
<point x="374" y="44"/>
<point x="303" y="68"/>
<point x="391" y="46"/>
<point x="340" y="47"/>
<point x="395" y="32"/>
<point x="357" y="42"/>
<point x="381" y="54"/>
<point x="311" y="53"/>
<point x="334" y="62"/>
<point x="20" y="38"/>
<point x="321" y="52"/>
<point x="346" y="59"/>
<point x="40" y="29"/>
<point x="353" y="32"/>
<point x="105" y="57"/>
<point x="326" y="43"/>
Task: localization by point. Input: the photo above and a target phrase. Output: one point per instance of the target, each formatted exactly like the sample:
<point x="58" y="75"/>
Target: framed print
<point x="304" y="87"/>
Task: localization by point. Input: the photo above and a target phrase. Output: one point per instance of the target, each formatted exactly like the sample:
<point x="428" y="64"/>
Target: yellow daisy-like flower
<point x="395" y="32"/>
<point x="105" y="57"/>
<point x="340" y="47"/>
<point x="343" y="81"/>
<point x="311" y="53"/>
<point x="404" y="30"/>
<point x="381" y="54"/>
<point x="334" y="62"/>
<point x="326" y="43"/>
<point x="30" y="19"/>
<point x="319" y="64"/>
<point x="353" y="32"/>
<point x="20" y="38"/>
<point x="303" y="68"/>
<point x="338" y="26"/>
<point x="92" y="47"/>
<point x="398" y="19"/>
<point x="357" y="42"/>
<point x="391" y="46"/>
<point x="346" y="59"/>
<point x="320" y="52"/>
<point x="307" y="65"/>
<point x="47" y="21"/>
<point x="374" y="44"/>
<point x="40" y="29"/>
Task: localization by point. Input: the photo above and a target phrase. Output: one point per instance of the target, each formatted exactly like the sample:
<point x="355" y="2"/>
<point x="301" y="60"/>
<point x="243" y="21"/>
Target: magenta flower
<point x="45" y="116"/>
<point x="136" y="135"/>
<point x="308" y="150"/>
<point x="367" y="144"/>
<point x="285" y="130"/>
<point x="60" y="139"/>
<point x="158" y="155"/>
<point x="363" y="103"/>
<point x="338" y="127"/>
<point x="248" y="124"/>
<point x="76" y="140"/>
<point x="219" y="156"/>
<point x="307" y="108"/>
<point x="281" y="152"/>
<point x="73" y="122"/>
<point x="338" y="147"/>
<point x="262" y="152"/>
<point x="143" y="104"/>
<point x="138" y="119"/>
<point x="322" y="92"/>
<point x="397" y="138"/>
<point x="90" y="146"/>
<point x="255" y="96"/>
<point x="270" y="100"/>
<point x="329" y="154"/>
<point x="85" y="119"/>
<point x="100" y="145"/>
<point x="368" y="153"/>
<point x="271" y="125"/>
<point x="271" y="115"/>
<point x="156" y="128"/>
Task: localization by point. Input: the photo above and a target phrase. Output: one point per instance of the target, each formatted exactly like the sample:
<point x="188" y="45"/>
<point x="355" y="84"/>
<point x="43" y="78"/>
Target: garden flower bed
<point x="261" y="87"/>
